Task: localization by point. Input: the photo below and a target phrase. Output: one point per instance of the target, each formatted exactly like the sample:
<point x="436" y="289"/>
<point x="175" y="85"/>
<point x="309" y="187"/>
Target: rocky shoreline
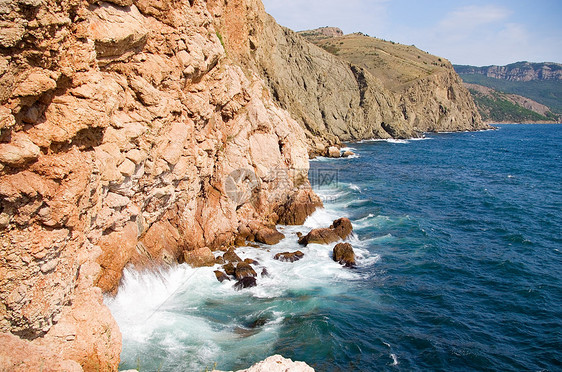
<point x="143" y="134"/>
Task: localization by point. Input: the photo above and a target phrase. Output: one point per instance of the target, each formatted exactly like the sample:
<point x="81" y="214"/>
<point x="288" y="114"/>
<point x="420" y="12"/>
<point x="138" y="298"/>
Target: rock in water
<point x="246" y="282"/>
<point x="333" y="152"/>
<point x="340" y="229"/>
<point x="343" y="253"/>
<point x="289" y="256"/>
<point x="221" y="277"/>
<point x="265" y="234"/>
<point x="199" y="257"/>
<point x="244" y="270"/>
<point x="231" y="256"/>
<point x="298" y="207"/>
<point x="229" y="268"/>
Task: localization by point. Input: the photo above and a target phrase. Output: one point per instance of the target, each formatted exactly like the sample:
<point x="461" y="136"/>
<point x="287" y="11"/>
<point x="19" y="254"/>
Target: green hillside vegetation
<point x="494" y="107"/>
<point x="547" y="92"/>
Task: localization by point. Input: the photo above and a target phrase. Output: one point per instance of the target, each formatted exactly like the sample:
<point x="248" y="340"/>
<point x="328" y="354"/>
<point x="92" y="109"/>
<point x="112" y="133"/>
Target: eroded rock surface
<point x="119" y="122"/>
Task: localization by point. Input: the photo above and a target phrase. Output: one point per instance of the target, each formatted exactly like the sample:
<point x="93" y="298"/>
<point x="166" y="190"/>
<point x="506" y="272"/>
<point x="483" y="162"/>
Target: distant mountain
<point x="519" y="71"/>
<point x="498" y="107"/>
<point x="540" y="82"/>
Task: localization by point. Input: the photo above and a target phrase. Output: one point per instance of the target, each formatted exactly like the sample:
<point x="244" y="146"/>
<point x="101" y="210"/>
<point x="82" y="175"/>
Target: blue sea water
<point x="459" y="240"/>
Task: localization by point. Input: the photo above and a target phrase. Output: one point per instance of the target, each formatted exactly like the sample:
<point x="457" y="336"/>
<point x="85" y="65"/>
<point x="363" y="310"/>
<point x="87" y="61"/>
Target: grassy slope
<point x="394" y="64"/>
<point x="547" y="92"/>
<point x="495" y="107"/>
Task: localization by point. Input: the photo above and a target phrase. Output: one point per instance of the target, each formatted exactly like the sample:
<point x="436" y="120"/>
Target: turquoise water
<point x="458" y="237"/>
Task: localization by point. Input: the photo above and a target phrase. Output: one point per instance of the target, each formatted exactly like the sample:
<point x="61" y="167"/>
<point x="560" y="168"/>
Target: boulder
<point x="221" y="277"/>
<point x="343" y="253"/>
<point x="246" y="282"/>
<point x="199" y="257"/>
<point x="265" y="234"/>
<point x="333" y="152"/>
<point x="264" y="273"/>
<point x="229" y="268"/>
<point x="347" y="154"/>
<point x="231" y="256"/>
<point x="340" y="229"/>
<point x="244" y="270"/>
<point x="320" y="236"/>
<point x="289" y="256"/>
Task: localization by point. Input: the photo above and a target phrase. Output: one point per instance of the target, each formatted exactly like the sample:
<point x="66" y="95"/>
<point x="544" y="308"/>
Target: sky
<point x="470" y="32"/>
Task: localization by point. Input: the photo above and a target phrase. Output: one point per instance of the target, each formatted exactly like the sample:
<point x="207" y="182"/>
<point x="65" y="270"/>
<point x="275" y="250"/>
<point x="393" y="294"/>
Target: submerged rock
<point x="344" y="254"/>
<point x="289" y="256"/>
<point x="340" y="229"/>
<point x="246" y="282"/>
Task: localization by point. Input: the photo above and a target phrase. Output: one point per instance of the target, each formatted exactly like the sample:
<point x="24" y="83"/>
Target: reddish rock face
<point x="119" y="122"/>
<point x="199" y="257"/>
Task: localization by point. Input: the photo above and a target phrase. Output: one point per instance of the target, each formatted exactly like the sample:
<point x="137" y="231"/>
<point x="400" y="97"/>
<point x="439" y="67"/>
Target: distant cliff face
<point x="520" y="71"/>
<point x="336" y="98"/>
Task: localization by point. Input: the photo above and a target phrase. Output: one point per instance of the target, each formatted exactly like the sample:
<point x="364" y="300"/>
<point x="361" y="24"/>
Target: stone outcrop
<point x="340" y="229"/>
<point x="302" y="78"/>
<point x="119" y="123"/>
<point x="344" y="254"/>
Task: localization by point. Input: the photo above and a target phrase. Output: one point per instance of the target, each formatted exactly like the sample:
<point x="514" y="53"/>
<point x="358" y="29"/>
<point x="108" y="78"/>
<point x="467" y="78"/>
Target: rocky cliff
<point x="120" y="122"/>
<point x="335" y="98"/>
<point x="142" y="132"/>
<point x="519" y="71"/>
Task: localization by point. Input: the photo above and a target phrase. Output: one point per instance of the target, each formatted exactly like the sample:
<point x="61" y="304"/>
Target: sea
<point x="458" y="238"/>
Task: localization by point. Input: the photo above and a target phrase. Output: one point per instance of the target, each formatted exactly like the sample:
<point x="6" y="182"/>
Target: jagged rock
<point x="219" y="260"/>
<point x="289" y="256"/>
<point x="347" y="154"/>
<point x="244" y="270"/>
<point x="246" y="282"/>
<point x="199" y="257"/>
<point x="221" y="277"/>
<point x="340" y="229"/>
<point x="229" y="268"/>
<point x="19" y="151"/>
<point x="116" y="30"/>
<point x="344" y="254"/>
<point x="264" y="273"/>
<point x="231" y="256"/>
<point x="265" y="234"/>
<point x="299" y="206"/>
